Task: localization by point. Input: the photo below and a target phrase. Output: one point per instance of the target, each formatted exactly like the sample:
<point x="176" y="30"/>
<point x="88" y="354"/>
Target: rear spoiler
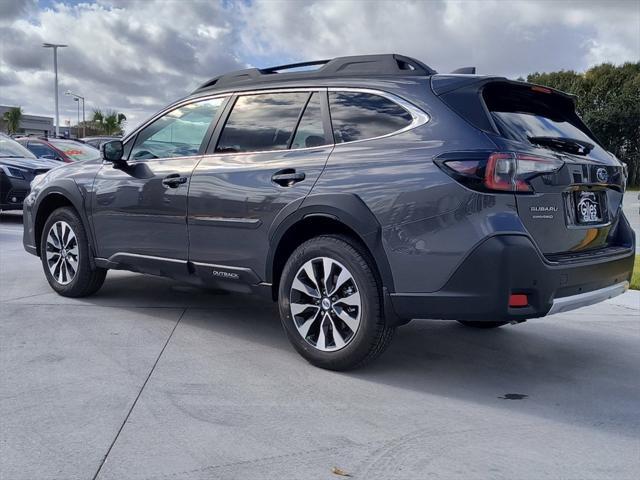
<point x="464" y="95"/>
<point x="445" y="83"/>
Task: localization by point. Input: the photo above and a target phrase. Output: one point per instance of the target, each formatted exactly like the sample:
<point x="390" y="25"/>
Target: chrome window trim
<point x="215" y="154"/>
<point x="419" y="117"/>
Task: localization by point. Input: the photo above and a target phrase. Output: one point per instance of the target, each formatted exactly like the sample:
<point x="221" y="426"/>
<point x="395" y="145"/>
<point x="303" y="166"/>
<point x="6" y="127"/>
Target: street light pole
<point x="76" y="97"/>
<point x="55" y="47"/>
<point x="77" y="100"/>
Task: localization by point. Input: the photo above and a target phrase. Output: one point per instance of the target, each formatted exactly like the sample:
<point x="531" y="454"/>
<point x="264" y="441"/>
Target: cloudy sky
<point x="137" y="55"/>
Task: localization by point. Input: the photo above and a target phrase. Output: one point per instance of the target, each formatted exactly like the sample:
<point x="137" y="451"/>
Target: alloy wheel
<point x="325" y="304"/>
<point x="62" y="252"/>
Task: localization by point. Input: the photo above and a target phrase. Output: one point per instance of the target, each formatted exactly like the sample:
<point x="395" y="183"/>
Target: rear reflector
<point x="518" y="300"/>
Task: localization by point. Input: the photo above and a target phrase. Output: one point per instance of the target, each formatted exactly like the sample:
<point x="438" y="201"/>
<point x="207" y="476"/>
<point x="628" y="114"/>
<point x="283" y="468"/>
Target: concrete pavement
<point x="152" y="379"/>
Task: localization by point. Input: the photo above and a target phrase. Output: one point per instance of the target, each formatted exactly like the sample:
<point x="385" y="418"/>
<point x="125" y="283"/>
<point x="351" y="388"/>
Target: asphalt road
<point x="151" y="379"/>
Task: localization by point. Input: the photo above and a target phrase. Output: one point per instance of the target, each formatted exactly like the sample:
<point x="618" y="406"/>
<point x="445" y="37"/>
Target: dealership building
<point x="29" y="124"/>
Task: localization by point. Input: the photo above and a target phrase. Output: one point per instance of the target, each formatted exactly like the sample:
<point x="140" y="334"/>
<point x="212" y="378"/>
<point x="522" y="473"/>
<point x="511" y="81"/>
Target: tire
<point x="346" y="328"/>
<point x="480" y="324"/>
<point x="73" y="276"/>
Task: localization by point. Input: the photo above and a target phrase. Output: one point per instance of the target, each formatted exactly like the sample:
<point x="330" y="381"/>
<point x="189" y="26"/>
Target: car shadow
<point x="555" y="368"/>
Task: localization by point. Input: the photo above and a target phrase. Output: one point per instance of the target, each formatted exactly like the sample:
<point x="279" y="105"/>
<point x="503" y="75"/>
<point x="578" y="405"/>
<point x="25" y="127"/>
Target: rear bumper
<point x="506" y="264"/>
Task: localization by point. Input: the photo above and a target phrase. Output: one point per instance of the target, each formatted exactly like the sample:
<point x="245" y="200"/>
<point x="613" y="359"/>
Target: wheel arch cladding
<point x="54" y="197"/>
<point x="326" y="214"/>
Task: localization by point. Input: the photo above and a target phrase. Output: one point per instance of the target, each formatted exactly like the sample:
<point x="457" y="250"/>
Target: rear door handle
<point x="174" y="180"/>
<point x="287" y="177"/>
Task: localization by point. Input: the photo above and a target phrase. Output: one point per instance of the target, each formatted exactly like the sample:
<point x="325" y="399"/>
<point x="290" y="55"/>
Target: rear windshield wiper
<point x="571" y="145"/>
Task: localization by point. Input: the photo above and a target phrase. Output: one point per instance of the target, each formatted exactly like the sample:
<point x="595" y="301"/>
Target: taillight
<point x="498" y="171"/>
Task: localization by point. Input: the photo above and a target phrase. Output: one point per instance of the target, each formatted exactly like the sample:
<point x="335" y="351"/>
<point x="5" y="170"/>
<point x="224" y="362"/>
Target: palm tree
<point x="109" y="122"/>
<point x="13" y="117"/>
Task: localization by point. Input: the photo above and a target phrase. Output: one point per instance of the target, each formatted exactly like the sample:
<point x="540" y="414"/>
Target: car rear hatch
<point x="568" y="188"/>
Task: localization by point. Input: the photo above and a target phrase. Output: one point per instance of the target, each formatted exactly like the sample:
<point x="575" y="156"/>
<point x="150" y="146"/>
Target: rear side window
<point x="262" y="122"/>
<point x="523" y="112"/>
<point x="358" y="116"/>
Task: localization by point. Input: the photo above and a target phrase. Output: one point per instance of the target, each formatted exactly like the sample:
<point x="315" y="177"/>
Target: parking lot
<point x="152" y="379"/>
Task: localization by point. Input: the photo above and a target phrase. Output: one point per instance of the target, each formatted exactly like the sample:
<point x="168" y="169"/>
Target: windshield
<point x="11" y="148"/>
<point x="76" y="151"/>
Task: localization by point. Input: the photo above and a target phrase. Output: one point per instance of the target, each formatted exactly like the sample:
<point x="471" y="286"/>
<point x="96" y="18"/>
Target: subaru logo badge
<point x="602" y="175"/>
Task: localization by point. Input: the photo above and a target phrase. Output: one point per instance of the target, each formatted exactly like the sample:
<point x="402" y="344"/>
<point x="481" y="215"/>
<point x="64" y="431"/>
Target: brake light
<point x="500" y="171"/>
<point x="538" y="88"/>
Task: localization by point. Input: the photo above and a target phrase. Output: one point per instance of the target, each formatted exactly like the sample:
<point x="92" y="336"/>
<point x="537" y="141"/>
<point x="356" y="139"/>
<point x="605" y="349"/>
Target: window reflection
<point x="179" y="133"/>
<point x="262" y="122"/>
<point x="522" y="125"/>
<point x="310" y="132"/>
<point x="356" y="116"/>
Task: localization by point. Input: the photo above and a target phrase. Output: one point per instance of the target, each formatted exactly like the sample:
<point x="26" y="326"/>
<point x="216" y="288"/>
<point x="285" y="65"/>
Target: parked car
<point x="59" y="149"/>
<point x="360" y="195"/>
<point x="18" y="166"/>
<point x="97" y="141"/>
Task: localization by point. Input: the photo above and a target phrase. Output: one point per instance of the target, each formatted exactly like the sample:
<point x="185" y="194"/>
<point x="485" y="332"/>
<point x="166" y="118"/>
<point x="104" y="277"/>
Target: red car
<point x="60" y="149"/>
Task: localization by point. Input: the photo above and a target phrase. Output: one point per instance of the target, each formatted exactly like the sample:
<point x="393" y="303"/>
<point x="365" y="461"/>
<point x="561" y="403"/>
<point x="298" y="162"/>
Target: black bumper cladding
<point x="510" y="264"/>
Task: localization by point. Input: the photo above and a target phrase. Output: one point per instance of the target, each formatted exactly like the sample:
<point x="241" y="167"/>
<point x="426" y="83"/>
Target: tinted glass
<point x="10" y="148"/>
<point x="310" y="132"/>
<point x="76" y="151"/>
<point x="521" y="125"/>
<point x="262" y="122"/>
<point x="520" y="113"/>
<point x="356" y="116"/>
<point x="179" y="133"/>
<point x="41" y="150"/>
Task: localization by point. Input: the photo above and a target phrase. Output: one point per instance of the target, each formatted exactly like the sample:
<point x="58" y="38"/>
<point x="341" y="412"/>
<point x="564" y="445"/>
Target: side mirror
<point x="113" y="151"/>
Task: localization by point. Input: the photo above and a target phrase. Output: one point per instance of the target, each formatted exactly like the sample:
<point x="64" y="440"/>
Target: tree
<point x="609" y="103"/>
<point x="13" y="117"/>
<point x="109" y="122"/>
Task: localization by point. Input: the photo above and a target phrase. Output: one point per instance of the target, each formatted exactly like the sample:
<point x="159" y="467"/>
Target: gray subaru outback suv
<point x="359" y="195"/>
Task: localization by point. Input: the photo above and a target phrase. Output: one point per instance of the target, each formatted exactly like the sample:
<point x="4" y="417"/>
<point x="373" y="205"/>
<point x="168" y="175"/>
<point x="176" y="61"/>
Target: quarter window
<point x="357" y="116"/>
<point x="179" y="133"/>
<point x="262" y="122"/>
<point x="310" y="132"/>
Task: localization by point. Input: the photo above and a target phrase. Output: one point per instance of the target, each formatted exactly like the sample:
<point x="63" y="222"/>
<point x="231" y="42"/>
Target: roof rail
<point x="385" y="64"/>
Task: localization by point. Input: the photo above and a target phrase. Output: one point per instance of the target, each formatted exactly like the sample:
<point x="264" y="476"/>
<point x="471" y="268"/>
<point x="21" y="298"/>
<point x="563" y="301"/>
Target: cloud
<point x="503" y="37"/>
<point x="135" y="56"/>
<point x="130" y="56"/>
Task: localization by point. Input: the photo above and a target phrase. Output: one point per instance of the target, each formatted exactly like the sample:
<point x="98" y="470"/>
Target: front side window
<point x="262" y="122"/>
<point x="358" y="116"/>
<point x="310" y="131"/>
<point x="178" y="133"/>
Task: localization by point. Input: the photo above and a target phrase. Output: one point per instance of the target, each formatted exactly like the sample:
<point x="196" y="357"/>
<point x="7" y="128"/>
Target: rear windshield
<point x="521" y="112"/>
<point x="76" y="151"/>
<point x="10" y="148"/>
